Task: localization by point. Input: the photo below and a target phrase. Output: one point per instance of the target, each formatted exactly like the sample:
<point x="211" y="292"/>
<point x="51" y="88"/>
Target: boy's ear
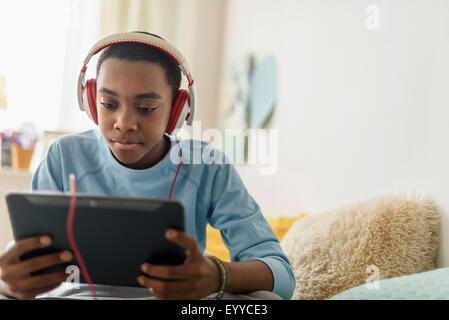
<point x="178" y="111"/>
<point x="89" y="94"/>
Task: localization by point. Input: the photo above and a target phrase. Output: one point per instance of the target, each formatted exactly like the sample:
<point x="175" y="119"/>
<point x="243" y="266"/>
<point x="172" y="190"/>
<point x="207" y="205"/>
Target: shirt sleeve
<point x="244" y="229"/>
<point x="47" y="176"/>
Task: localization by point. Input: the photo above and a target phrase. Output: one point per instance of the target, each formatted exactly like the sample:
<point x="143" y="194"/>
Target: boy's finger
<point x="166" y="272"/>
<point x="184" y="240"/>
<point x="26" y="267"/>
<point x="166" y="286"/>
<point x="24" y="245"/>
<point x="40" y="281"/>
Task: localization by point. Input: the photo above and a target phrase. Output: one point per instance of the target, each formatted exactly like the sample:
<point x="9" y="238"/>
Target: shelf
<point x="10" y="172"/>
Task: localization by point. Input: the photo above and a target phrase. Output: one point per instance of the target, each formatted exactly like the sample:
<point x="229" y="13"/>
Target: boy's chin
<point x="127" y="160"/>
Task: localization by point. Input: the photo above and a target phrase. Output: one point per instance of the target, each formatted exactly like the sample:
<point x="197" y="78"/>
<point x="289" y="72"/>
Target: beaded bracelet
<point x="224" y="278"/>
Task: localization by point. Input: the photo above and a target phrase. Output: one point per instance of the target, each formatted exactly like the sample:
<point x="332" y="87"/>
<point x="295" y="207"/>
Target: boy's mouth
<point x="125" y="145"/>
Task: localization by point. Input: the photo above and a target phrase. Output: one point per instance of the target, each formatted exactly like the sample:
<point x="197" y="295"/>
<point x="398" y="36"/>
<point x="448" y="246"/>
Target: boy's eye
<point x="145" y="109"/>
<point x="108" y="106"/>
<point x="111" y="106"/>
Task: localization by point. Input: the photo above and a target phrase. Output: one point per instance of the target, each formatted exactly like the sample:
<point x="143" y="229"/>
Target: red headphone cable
<point x="177" y="171"/>
<point x="71" y="238"/>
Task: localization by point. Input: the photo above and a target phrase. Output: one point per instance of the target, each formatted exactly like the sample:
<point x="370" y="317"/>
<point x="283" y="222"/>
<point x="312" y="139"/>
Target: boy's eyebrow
<point x="148" y="95"/>
<point x="107" y="91"/>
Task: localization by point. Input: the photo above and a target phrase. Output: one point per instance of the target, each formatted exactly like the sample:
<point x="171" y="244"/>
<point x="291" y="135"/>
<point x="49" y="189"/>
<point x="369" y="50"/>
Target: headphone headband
<point x="143" y="38"/>
<point x="150" y="40"/>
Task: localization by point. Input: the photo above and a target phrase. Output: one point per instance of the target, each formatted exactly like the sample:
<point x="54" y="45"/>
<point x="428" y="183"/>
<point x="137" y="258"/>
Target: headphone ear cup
<point x="178" y="111"/>
<point x="91" y="90"/>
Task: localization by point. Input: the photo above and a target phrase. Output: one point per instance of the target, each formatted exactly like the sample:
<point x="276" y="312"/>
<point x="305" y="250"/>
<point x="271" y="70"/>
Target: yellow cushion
<point x="216" y="247"/>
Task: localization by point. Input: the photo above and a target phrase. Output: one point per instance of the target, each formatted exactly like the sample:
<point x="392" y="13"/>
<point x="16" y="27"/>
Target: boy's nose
<point x="125" y="121"/>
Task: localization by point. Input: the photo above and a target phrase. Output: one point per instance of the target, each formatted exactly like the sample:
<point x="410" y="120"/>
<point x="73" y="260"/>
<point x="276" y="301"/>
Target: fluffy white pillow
<point x="384" y="237"/>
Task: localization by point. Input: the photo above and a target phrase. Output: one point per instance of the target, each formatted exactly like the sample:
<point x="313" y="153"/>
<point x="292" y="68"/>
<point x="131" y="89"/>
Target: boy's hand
<point x="196" y="278"/>
<point x="15" y="275"/>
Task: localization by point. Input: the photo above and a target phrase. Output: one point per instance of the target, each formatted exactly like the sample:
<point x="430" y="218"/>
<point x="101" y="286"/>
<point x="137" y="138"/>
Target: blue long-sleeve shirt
<point x="207" y="184"/>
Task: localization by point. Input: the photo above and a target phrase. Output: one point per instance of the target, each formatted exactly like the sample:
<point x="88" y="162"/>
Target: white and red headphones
<point x="183" y="108"/>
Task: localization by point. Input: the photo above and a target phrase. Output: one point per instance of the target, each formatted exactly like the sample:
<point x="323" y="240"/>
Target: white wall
<point x="360" y="112"/>
<point x="42" y="46"/>
<point x="32" y="60"/>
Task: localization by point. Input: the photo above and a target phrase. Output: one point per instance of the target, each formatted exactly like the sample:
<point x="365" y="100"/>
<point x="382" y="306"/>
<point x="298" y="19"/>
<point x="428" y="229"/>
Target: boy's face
<point x="133" y="104"/>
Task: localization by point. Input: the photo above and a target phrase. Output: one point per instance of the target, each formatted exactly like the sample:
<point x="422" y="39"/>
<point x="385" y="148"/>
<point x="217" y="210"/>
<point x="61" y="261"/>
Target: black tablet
<point x="114" y="235"/>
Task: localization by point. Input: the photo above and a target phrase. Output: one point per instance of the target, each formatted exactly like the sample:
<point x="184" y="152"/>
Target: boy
<point x="130" y="156"/>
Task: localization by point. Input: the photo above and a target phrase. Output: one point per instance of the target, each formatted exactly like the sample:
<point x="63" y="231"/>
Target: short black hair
<point x="141" y="52"/>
